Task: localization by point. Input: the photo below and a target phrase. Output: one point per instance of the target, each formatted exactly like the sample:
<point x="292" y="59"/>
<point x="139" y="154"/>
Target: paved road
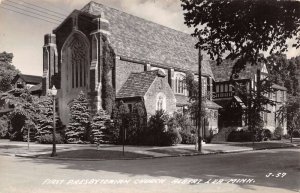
<point x="173" y="174"/>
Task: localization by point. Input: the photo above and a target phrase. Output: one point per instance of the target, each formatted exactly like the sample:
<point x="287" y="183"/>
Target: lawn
<point x="96" y="154"/>
<point x="174" y="151"/>
<point x="264" y="145"/>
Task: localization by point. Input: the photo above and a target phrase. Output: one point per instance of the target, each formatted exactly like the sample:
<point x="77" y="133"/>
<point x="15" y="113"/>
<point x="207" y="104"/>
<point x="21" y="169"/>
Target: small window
<point x="130" y="108"/>
<point x="160" y="102"/>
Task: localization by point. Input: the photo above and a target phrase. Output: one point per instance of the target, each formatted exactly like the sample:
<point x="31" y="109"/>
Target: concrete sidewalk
<point x="36" y="150"/>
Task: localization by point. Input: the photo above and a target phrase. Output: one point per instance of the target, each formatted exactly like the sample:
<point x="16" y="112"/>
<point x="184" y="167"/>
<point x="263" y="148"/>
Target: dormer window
<point x="20" y="85"/>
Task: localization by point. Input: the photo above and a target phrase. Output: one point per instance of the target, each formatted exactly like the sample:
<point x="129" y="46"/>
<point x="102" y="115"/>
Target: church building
<point x="106" y="52"/>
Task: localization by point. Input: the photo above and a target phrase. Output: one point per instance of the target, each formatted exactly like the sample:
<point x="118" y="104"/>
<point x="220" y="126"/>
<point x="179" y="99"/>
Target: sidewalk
<point x="90" y="152"/>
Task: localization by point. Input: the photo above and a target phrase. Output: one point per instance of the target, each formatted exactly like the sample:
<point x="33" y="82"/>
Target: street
<point x="276" y="170"/>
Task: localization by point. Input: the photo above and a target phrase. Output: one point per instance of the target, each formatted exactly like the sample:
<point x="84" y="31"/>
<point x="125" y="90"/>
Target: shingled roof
<point x="137" y="38"/>
<point x="29" y="79"/>
<point x="223" y="71"/>
<point x="138" y="84"/>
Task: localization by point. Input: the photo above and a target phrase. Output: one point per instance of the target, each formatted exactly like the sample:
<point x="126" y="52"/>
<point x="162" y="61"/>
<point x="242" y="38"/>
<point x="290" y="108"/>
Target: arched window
<point x="160" y="102"/>
<point x="78" y="59"/>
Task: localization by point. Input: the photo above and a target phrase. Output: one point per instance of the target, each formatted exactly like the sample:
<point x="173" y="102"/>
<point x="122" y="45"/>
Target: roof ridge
<point x="30" y="75"/>
<point x="136" y="17"/>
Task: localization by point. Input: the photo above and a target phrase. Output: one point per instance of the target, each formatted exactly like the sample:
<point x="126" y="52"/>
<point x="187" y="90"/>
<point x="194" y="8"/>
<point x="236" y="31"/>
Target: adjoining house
<point x="31" y="82"/>
<point x="234" y="111"/>
<point x="149" y="65"/>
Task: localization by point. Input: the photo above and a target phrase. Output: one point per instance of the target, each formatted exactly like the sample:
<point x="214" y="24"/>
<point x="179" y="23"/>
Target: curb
<point x="139" y="158"/>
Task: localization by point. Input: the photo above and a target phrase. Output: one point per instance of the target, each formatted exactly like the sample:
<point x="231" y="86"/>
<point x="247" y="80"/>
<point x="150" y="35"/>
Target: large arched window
<point x="160" y="102"/>
<point x="75" y="62"/>
<point x="78" y="51"/>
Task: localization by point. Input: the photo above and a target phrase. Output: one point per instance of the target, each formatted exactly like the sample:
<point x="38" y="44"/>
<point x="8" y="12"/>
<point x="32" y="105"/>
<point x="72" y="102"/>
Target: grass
<point x="173" y="151"/>
<point x="264" y="145"/>
<point x="9" y="146"/>
<point x="97" y="154"/>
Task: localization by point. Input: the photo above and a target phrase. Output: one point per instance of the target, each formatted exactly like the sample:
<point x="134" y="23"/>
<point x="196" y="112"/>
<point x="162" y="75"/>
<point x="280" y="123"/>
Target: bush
<point x="187" y="136"/>
<point x="286" y="136"/>
<point x="278" y="132"/>
<point x="264" y="135"/>
<point x="208" y="138"/>
<point x="17" y="121"/>
<point x="186" y="129"/>
<point x="4" y="124"/>
<point x="296" y="133"/>
<point x="48" y="139"/>
<point x="170" y="137"/>
<point x="161" y="131"/>
<point x="240" y="136"/>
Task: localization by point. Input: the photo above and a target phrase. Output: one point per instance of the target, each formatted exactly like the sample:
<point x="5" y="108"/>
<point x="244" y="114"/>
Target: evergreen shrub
<point x="278" y="133"/>
<point x="240" y="136"/>
<point x="48" y="139"/>
<point x="4" y="124"/>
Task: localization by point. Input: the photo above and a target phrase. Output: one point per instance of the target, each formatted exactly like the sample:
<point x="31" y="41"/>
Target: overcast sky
<point x="23" y="35"/>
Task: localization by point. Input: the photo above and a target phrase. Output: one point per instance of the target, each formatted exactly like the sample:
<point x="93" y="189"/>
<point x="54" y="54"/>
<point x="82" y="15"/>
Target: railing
<point x="223" y="95"/>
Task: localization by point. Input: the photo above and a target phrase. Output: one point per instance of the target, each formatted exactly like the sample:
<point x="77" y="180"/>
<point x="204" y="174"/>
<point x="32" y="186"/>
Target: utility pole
<point x="199" y="100"/>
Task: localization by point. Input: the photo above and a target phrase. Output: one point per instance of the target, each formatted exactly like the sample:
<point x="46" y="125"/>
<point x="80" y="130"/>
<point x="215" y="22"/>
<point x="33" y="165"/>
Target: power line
<point x="53" y="6"/>
<point x="28" y="15"/>
<point x="20" y="4"/>
<point x="43" y="8"/>
<point x="30" y="12"/>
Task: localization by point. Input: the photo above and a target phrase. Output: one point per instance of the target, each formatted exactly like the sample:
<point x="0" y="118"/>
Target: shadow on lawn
<point x="9" y="146"/>
<point x="96" y="154"/>
<point x="263" y="145"/>
<point x="254" y="165"/>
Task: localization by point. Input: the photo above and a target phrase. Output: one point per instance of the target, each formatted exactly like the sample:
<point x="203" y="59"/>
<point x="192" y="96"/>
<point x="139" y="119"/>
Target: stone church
<point x="99" y="48"/>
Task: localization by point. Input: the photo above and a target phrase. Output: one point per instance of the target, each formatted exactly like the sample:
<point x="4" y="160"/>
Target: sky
<point x="24" y="36"/>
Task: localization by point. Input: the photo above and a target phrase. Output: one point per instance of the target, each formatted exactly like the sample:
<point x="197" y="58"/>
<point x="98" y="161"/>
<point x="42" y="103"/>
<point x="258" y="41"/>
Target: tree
<point x="98" y="127"/>
<point x="25" y="113"/>
<point x="196" y="95"/>
<point x="241" y="30"/>
<point x="45" y="122"/>
<point x="288" y="70"/>
<point x="257" y="102"/>
<point x="290" y="112"/>
<point x="78" y="129"/>
<point x="7" y="71"/>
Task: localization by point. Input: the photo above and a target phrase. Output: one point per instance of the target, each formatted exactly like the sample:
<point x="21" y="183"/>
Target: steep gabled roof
<point x="29" y="79"/>
<point x="278" y="87"/>
<point x="141" y="39"/>
<point x="138" y="84"/>
<point x="36" y="88"/>
<point x="223" y="71"/>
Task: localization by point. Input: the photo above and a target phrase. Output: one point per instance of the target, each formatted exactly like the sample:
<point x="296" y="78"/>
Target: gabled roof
<point x="224" y="103"/>
<point x="138" y="38"/>
<point x="36" y="88"/>
<point x="278" y="87"/>
<point x="211" y="105"/>
<point x="239" y="100"/>
<point x="223" y="71"/>
<point x="29" y="79"/>
<point x="138" y="84"/>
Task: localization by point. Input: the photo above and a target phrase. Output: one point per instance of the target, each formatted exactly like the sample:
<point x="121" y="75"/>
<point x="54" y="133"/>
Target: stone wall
<point x="160" y="85"/>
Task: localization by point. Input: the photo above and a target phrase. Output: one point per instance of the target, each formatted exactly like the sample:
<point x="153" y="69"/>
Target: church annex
<point x="103" y="52"/>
